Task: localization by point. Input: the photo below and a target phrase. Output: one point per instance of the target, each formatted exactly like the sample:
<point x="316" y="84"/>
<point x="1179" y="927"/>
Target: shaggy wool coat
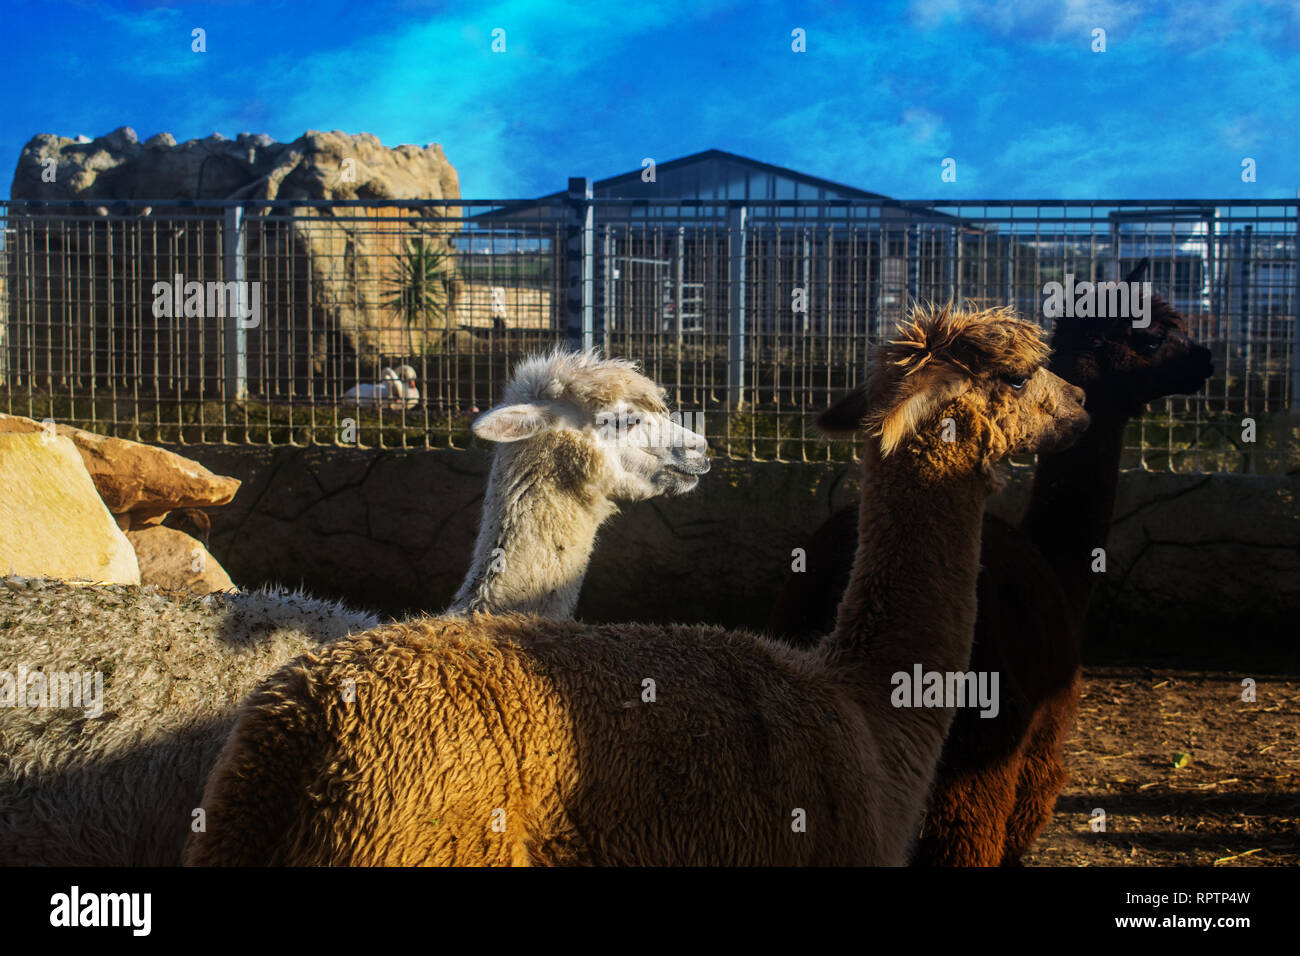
<point x="120" y="789"/>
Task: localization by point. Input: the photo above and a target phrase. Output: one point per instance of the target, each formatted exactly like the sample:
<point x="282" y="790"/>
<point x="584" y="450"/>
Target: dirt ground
<point x="1235" y="801"/>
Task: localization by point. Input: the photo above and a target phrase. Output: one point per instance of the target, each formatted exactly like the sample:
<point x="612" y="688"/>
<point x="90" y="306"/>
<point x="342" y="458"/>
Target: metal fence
<point x="211" y="321"/>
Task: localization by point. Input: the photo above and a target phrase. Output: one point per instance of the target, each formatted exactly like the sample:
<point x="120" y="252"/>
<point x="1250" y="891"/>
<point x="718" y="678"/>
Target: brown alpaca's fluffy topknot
<point x="940" y="351"/>
<point x="990" y="341"/>
<point x="949" y="347"/>
<point x="936" y="355"/>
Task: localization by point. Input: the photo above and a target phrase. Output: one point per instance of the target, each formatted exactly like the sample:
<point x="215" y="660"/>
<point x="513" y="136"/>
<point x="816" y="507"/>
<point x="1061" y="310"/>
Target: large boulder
<point x="53" y="524"/>
<point x="119" y="166"/>
<point x="328" y="276"/>
<point x="174" y="561"/>
<point x="135" y="479"/>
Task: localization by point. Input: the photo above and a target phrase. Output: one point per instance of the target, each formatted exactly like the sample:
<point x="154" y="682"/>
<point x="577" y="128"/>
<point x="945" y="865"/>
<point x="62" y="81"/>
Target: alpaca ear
<point x="921" y="396"/>
<point x="512" y="422"/>
<point x="1138" y="270"/>
<point x="846" y="415"/>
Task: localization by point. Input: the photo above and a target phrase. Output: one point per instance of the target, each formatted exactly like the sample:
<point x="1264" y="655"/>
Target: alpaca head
<point x="594" y="426"/>
<point x="1122" y="367"/>
<point x="957" y="389"/>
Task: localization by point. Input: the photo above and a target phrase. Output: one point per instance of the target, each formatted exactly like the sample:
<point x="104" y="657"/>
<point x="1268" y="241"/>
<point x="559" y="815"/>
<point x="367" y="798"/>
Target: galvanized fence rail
<point x="275" y="321"/>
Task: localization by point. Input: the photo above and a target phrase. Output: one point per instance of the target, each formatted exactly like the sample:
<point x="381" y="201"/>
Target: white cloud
<point x="1190" y="24"/>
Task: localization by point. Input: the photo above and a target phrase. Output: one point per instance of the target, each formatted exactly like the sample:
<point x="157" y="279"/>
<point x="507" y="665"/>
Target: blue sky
<point x="1010" y="90"/>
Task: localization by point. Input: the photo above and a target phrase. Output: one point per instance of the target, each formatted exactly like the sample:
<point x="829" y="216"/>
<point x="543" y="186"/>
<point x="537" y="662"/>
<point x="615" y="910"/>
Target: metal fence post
<point x="1245" y="268"/>
<point x="234" y="343"/>
<point x="1010" y="278"/>
<point x="609" y="286"/>
<point x="681" y="292"/>
<point x="580" y="253"/>
<point x="9" y="276"/>
<point x="807" y="280"/>
<point x="1295" y="316"/>
<point x="958" y="294"/>
<point x="829" y="325"/>
<point x="912" y="263"/>
<point x="1213" y="266"/>
<point x="1117" y="263"/>
<point x="736" y="306"/>
<point x="951" y="243"/>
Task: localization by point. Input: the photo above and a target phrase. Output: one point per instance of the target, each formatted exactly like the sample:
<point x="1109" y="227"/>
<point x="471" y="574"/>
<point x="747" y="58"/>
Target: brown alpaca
<point x="515" y="739"/>
<point x="999" y="777"/>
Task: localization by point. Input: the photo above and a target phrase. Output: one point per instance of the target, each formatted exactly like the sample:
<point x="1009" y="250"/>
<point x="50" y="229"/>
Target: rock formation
<point x="175" y="561"/>
<point x="327" y="276"/>
<point x="52" y="522"/>
<point x="135" y="486"/>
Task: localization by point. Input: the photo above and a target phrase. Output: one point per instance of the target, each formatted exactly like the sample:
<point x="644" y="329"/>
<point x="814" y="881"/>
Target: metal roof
<point x="715" y="155"/>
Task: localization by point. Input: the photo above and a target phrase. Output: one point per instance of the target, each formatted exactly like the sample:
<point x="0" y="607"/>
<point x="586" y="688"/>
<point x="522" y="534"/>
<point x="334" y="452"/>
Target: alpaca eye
<point x="1150" y="343"/>
<point x="1015" y="381"/>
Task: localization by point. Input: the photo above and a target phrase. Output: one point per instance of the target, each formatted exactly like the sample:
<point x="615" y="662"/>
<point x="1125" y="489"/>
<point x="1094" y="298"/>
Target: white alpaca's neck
<point x="534" y="541"/>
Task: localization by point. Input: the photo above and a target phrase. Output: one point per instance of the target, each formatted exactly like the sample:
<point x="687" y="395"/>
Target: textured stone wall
<point x="1200" y="566"/>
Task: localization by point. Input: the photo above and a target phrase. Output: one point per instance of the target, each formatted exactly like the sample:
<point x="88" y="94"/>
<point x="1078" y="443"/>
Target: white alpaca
<point x="576" y="435"/>
<point x="111" y="790"/>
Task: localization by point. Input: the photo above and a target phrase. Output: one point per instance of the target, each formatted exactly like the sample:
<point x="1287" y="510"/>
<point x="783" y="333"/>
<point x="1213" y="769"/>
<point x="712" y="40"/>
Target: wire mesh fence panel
<point x="384" y="324"/>
<point x="393" y="323"/>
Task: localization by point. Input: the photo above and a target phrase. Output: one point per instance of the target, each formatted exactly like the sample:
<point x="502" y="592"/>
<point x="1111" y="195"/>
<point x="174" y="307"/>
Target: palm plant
<point x="420" y="289"/>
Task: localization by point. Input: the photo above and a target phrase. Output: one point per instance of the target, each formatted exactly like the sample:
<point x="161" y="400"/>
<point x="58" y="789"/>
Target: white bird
<point x="407" y="391"/>
<point x="395" y="389"/>
<point x="388" y="388"/>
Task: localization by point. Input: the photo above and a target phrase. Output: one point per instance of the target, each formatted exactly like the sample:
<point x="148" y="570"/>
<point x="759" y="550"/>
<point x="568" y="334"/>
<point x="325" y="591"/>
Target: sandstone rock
<point x="53" y="524"/>
<point x="145" y="481"/>
<point x="131" y="477"/>
<point x="342" y="268"/>
<point x="173" y="560"/>
<point x="192" y="521"/>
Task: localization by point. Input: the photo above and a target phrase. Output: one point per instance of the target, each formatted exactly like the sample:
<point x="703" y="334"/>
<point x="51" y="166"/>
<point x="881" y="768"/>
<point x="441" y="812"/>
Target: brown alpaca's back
<point x="985" y="808"/>
<point x="999" y="777"/>
<point x="436" y="761"/>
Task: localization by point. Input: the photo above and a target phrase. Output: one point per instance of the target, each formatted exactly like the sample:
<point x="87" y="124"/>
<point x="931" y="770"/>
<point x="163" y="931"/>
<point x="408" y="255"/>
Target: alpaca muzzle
<point x="1202" y="362"/>
<point x="692" y="466"/>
